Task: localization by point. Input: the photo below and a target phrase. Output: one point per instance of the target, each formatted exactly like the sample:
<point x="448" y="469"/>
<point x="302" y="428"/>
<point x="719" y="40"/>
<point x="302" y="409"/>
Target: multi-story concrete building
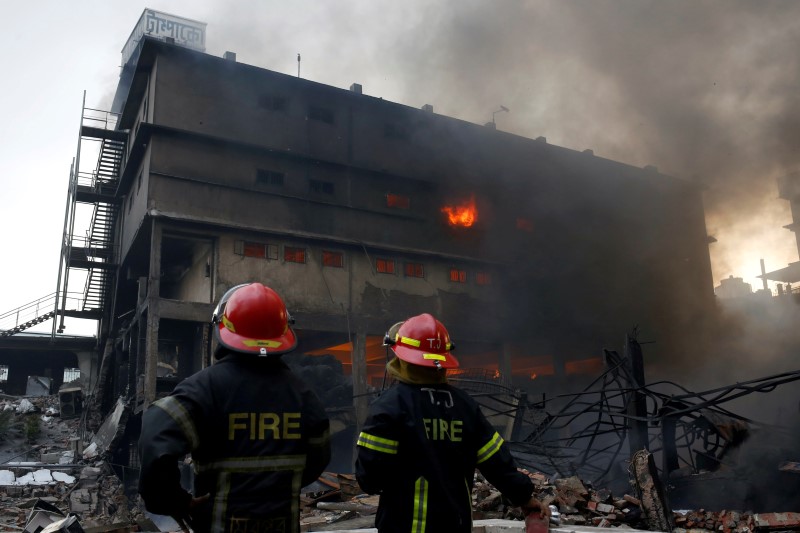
<point x="361" y="212"/>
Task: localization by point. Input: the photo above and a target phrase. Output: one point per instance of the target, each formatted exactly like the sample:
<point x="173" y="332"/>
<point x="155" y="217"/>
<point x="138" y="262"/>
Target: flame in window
<point x="464" y="214"/>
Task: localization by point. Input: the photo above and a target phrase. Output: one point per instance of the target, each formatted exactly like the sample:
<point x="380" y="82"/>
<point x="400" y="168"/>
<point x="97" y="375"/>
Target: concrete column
<point x="151" y="357"/>
<point x="153" y="316"/>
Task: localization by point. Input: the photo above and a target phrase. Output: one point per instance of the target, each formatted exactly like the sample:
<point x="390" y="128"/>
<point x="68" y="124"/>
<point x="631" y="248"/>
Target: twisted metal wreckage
<point x="595" y="434"/>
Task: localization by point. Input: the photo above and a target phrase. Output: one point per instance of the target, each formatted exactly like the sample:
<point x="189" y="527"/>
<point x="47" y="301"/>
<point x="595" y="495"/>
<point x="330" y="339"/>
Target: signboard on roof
<point x="166" y="27"/>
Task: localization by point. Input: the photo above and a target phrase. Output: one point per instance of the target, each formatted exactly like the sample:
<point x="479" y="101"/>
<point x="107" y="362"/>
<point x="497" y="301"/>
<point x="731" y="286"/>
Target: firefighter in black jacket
<point x="423" y="439"/>
<point x="255" y="432"/>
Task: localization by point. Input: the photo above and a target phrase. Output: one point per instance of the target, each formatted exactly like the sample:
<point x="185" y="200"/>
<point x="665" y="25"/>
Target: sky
<point x="705" y="90"/>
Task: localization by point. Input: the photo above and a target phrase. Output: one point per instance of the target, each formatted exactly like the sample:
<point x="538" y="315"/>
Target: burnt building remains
<point x="208" y="173"/>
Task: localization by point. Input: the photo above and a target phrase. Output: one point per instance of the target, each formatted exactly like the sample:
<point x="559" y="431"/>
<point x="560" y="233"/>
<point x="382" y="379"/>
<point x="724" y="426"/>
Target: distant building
<point x="733" y="288"/>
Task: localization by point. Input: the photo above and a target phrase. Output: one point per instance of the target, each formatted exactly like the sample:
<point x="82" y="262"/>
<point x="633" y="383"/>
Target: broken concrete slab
<point x="110" y="432"/>
<point x="70" y="524"/>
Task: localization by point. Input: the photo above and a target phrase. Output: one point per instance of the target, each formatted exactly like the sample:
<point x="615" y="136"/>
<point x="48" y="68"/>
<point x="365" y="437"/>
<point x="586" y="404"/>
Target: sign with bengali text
<point x="182" y="31"/>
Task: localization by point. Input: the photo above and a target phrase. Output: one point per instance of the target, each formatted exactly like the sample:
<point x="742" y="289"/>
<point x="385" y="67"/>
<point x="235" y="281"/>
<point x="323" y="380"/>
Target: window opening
<point x="255" y="249"/>
<point x="483" y="278"/>
<point x="320" y="186"/>
<point x="259" y="250"/>
<point x="269" y="177"/>
<point x="398" y="201"/>
<point x="415" y="270"/>
<point x="321" y="114"/>
<point x="292" y="254"/>
<point x="384" y="266"/>
<point x="332" y="259"/>
<point x="71" y="374"/>
<point x="458" y="276"/>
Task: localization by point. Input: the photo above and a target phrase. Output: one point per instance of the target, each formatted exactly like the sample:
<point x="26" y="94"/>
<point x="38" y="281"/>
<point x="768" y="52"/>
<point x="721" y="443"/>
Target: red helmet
<point x="422" y="340"/>
<point x="252" y="319"/>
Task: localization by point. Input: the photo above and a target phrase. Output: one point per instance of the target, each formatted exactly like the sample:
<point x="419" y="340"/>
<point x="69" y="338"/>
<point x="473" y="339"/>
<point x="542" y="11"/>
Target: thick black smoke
<point x="704" y="90"/>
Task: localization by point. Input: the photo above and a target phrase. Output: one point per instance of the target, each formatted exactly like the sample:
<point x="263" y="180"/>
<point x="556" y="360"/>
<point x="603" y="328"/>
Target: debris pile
<point x="335" y="499"/>
<point x="47" y="481"/>
<point x="576" y="502"/>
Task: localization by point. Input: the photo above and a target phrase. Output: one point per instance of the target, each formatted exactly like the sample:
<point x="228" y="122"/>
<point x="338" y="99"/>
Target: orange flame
<point x="464" y="214"/>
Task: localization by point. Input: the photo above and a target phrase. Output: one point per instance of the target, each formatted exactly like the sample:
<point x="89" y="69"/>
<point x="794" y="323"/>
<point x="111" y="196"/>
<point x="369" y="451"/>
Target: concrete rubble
<point x="47" y="483"/>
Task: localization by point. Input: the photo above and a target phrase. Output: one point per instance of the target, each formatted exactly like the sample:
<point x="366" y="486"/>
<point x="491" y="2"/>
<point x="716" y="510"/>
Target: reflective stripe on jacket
<point x="419" y="448"/>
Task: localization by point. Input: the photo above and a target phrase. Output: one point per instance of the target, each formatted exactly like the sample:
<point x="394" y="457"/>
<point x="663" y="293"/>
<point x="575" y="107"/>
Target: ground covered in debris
<point x="338" y="505"/>
<point x="54" y="478"/>
<point x="49" y="474"/>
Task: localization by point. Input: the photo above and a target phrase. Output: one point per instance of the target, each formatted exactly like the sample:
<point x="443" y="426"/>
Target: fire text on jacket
<point x="438" y="429"/>
<point x="262" y="426"/>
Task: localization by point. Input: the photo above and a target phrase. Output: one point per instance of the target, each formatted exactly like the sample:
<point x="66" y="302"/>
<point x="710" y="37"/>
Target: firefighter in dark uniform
<point x="255" y="432"/>
<point x="423" y="439"/>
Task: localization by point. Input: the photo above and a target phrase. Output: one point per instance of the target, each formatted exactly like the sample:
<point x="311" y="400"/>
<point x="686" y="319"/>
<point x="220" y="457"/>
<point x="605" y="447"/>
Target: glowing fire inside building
<point x="464" y="214"/>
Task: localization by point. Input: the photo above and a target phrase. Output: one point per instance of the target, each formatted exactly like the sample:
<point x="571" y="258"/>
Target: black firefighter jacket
<point x="419" y="448"/>
<point x="256" y="434"/>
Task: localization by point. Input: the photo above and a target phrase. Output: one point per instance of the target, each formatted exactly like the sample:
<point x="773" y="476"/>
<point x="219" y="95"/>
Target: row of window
<point x="279" y="103"/>
<point x="333" y="259"/>
<point x="70" y="374"/>
<point x="393" y="200"/>
<point x="397" y="131"/>
<point x="273" y="178"/>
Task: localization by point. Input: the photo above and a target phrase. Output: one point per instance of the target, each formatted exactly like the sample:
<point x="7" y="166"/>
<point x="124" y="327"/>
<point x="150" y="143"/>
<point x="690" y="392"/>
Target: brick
<point x="777" y="520"/>
<point x="631" y="499"/>
<point x="620" y="504"/>
<point x="605" y="508"/>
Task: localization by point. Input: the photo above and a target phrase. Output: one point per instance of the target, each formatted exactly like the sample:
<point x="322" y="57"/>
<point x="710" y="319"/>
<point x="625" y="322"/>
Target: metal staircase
<point x="92" y="254"/>
<point x="99" y="250"/>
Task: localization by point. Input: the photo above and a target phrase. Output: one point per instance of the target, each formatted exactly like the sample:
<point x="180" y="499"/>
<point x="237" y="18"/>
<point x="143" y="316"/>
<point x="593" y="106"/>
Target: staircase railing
<point x="99" y="118"/>
<point x="35" y="312"/>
